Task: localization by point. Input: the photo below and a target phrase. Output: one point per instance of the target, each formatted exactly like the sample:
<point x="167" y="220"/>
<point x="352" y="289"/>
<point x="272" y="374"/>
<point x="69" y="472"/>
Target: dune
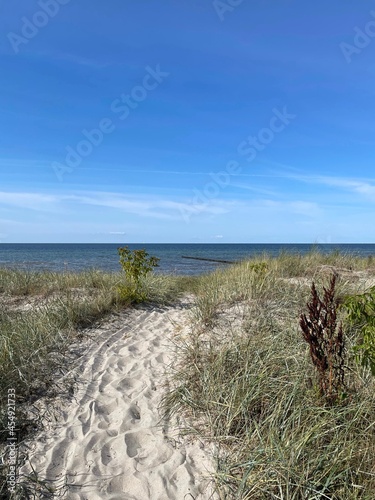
<point x="109" y="440"/>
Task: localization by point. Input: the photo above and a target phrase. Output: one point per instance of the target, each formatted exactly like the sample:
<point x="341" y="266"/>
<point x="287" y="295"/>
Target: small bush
<point x="360" y="311"/>
<point x="137" y="264"/>
<point x="259" y="267"/>
<point x="326" y="341"/>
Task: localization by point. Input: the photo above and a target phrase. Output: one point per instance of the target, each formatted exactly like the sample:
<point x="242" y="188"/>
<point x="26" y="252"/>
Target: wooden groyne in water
<point x="210" y="260"/>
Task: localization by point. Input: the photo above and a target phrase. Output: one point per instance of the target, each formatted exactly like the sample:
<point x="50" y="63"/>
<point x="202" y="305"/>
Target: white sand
<point x="110" y="442"/>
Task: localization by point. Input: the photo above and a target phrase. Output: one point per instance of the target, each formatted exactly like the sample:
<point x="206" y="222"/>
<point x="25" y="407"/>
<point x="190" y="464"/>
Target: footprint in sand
<point x="135" y="413"/>
<point x="139" y="442"/>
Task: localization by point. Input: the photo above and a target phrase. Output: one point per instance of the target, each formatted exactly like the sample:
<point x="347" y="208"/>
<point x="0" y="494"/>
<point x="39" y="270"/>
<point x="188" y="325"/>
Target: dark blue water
<point x="78" y="257"/>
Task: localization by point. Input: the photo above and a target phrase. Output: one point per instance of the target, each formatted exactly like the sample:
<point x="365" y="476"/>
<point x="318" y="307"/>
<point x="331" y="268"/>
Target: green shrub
<point x="259" y="267"/>
<point x="360" y="311"/>
<point x="137" y="264"/>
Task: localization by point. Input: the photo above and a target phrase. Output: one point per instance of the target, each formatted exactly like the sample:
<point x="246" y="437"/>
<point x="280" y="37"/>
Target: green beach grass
<point x="243" y="377"/>
<point x="41" y="315"/>
<point x="245" y="381"/>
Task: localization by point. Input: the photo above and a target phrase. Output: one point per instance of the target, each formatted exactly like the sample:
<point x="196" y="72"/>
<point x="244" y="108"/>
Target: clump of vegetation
<point x="136" y="264"/>
<point x="314" y="262"/>
<point x="326" y="341"/>
<point x="360" y="311"/>
<point x="243" y="381"/>
<point x="259" y="267"/>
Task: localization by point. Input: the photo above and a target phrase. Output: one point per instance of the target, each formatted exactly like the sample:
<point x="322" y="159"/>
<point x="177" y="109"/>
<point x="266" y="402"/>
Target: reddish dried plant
<point x="326" y="341"/>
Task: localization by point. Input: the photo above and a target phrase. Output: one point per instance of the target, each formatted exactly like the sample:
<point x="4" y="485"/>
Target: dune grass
<point x="41" y="315"/>
<point x="245" y="380"/>
<point x="243" y="377"/>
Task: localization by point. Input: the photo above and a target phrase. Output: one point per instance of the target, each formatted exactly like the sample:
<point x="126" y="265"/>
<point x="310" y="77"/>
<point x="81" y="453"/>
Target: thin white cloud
<point x="140" y="205"/>
<point x="364" y="187"/>
<point x="151" y="207"/>
<point x="155" y="207"/>
<point x="266" y="192"/>
<point x="31" y="201"/>
<point x="299" y="207"/>
<point x="71" y="58"/>
<point x="304" y="208"/>
<point x="358" y="186"/>
<point x="8" y="221"/>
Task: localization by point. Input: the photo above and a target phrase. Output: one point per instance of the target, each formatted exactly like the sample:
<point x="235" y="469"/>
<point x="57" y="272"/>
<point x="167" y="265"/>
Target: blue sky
<point x="187" y="121"/>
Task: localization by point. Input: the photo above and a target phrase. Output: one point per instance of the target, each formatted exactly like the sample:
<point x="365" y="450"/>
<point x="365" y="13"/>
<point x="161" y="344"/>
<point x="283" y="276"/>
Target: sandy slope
<point x="109" y="442"/>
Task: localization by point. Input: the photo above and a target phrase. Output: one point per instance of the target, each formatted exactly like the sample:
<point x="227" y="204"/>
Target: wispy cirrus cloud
<point x="364" y="187"/>
<point x="45" y="202"/>
<point x="142" y="205"/>
<point x="308" y="209"/>
<point x="99" y="215"/>
<point x="146" y="207"/>
<point x="31" y="201"/>
<point x="254" y="189"/>
<point x="68" y="57"/>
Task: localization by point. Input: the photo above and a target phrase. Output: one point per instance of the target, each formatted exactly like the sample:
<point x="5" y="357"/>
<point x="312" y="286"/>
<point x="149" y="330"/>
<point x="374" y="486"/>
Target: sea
<point x="77" y="257"/>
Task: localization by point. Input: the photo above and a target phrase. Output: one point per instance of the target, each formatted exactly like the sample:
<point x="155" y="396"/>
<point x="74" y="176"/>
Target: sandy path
<point x="109" y="442"/>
